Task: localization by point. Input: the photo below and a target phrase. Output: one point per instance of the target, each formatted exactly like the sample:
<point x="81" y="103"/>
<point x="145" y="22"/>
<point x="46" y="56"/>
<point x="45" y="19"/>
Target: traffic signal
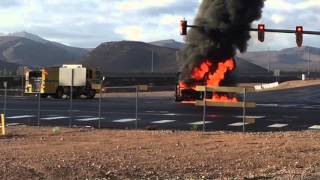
<point x="299" y="35"/>
<point x="183" y="27"/>
<point x="261" y="30"/>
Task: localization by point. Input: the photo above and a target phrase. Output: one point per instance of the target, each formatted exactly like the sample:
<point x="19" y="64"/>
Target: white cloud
<point x="133" y="32"/>
<point x="276" y="18"/>
<point x="134" y="5"/>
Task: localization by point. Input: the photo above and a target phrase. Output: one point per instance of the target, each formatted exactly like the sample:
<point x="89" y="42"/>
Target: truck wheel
<point x="59" y="93"/>
<point x="91" y="94"/>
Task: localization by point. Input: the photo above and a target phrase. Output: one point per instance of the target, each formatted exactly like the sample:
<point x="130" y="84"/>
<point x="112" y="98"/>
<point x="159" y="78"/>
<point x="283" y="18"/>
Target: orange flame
<point x="215" y="78"/>
<point x="199" y="72"/>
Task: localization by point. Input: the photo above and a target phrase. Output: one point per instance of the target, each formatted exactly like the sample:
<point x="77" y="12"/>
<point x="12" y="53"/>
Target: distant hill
<point x="170" y="43"/>
<point x="78" y="52"/>
<point x="291" y="59"/>
<point x="25" y="51"/>
<point x="131" y="57"/>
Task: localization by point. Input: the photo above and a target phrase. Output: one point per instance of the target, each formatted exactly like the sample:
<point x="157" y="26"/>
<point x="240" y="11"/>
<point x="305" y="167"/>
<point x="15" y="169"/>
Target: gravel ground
<point x="58" y="153"/>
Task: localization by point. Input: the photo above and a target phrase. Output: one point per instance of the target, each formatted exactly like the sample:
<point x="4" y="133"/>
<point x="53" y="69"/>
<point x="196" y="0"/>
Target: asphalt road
<point x="287" y="110"/>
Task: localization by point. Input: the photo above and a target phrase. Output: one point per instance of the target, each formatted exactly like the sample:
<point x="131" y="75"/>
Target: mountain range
<point x="27" y="49"/>
<point x="24" y="48"/>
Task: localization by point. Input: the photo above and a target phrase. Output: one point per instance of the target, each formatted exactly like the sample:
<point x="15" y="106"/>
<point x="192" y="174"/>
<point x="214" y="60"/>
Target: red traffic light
<point x="261" y="29"/>
<point x="299" y="29"/>
<point x="183" y="27"/>
<point x="299" y="35"/>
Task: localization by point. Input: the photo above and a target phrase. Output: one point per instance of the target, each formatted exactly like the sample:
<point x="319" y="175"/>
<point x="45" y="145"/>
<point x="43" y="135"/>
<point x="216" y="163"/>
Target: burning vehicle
<point x="221" y="29"/>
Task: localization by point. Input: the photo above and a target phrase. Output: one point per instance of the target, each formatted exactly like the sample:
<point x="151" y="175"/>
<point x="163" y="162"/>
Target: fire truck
<point x="59" y="81"/>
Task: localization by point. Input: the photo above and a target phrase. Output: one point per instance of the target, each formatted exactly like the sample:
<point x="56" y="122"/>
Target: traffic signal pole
<point x="273" y="30"/>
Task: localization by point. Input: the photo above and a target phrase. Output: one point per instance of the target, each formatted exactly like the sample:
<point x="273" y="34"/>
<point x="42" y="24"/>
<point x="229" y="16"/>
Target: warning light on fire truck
<point x="183" y="27"/>
<point x="299" y="35"/>
<point x="261" y="30"/>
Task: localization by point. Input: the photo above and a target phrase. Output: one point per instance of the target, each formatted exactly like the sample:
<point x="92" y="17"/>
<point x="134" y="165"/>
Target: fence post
<point x="244" y="109"/>
<point x="137" y="95"/>
<point x="5" y="98"/>
<point x="39" y="108"/>
<point x="71" y="99"/>
<point x="204" y="109"/>
<point x="100" y="99"/>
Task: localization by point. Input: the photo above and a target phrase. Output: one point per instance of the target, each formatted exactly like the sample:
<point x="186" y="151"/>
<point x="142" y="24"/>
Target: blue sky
<point x="87" y="23"/>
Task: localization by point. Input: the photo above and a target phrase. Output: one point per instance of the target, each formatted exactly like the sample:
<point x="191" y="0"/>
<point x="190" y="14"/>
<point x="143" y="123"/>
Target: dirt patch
<point x="48" y="153"/>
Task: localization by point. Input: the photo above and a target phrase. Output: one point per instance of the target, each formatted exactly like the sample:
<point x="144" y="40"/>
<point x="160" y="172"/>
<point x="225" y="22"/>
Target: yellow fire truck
<point x="57" y="81"/>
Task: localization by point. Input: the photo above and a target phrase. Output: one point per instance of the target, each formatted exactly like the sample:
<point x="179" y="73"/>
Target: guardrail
<point x="237" y="90"/>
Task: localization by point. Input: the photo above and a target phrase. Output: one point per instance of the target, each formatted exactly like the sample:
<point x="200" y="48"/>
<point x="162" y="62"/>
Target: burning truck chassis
<point x="203" y="75"/>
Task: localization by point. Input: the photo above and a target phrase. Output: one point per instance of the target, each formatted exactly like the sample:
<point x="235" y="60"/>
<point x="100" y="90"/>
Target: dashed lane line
<point x="20" y="117"/>
<point x="55" y="118"/>
<point x="124" y="120"/>
<point x="277" y="125"/>
<point x="238" y="124"/>
<point x="163" y="121"/>
<point x="89" y="119"/>
<point x="315" y="127"/>
<point x="200" y="123"/>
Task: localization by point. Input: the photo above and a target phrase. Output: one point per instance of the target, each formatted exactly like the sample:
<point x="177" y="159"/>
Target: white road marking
<point x="163" y="121"/>
<point x="55" y="118"/>
<point x="278" y="125"/>
<point x="251" y="117"/>
<point x="170" y="114"/>
<point x="89" y="119"/>
<point x="124" y="120"/>
<point x="200" y="123"/>
<point x="315" y="127"/>
<point x="237" y="124"/>
<point x="21" y="117"/>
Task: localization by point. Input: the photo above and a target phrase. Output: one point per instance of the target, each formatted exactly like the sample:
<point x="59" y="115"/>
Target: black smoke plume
<point x="223" y="29"/>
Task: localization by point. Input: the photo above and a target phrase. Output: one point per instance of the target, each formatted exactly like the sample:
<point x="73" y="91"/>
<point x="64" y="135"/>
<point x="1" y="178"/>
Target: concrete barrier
<point x="266" y="86"/>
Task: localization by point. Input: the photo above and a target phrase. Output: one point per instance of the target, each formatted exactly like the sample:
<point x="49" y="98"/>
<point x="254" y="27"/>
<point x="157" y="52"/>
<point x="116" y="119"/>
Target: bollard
<point x="3" y="130"/>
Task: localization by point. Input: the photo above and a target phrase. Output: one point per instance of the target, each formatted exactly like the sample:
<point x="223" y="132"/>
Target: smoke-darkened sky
<point x="87" y="23"/>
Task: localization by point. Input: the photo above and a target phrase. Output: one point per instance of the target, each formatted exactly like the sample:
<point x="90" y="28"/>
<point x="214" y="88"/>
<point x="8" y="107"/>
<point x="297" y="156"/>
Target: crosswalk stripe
<point x="163" y="121"/>
<point x="55" y="118"/>
<point x="200" y="123"/>
<point x="237" y="124"/>
<point x="20" y="117"/>
<point x="89" y="119"/>
<point x="124" y="120"/>
<point x="278" y="125"/>
<point x="315" y="127"/>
